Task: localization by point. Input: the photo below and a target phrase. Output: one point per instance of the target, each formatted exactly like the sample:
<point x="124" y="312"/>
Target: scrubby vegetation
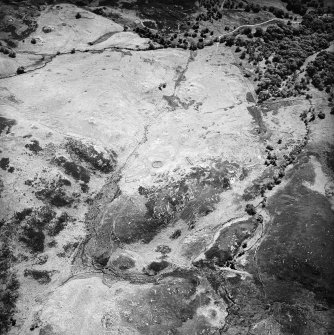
<point x="43" y="277"/>
<point x="283" y="49"/>
<point x="301" y="6"/>
<point x="321" y="71"/>
<point x="104" y="162"/>
<point x="195" y="34"/>
<point x="8" y="287"/>
<point x="277" y="51"/>
<point x="20" y="70"/>
<point x="32" y="225"/>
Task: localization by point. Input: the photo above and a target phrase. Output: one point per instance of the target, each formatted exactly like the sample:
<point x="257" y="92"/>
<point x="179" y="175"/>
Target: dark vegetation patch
<point x="245" y="301"/>
<point x="41" y="276"/>
<point x="123" y="262"/>
<point x="58" y="224"/>
<point x="176" y="234"/>
<point x="34" y="146"/>
<point x="19" y="216"/>
<point x="105" y="163"/>
<point x="244" y="173"/>
<point x="23" y="21"/>
<point x="247" y="305"/>
<point x="300" y="7"/>
<point x="103" y="38"/>
<point x="172" y="302"/>
<point x="68" y="249"/>
<point x="197" y="30"/>
<point x="175" y="102"/>
<point x="321" y="71"/>
<point x="54" y="194"/>
<point x="298" y="249"/>
<point x="32" y="224"/>
<point x="35" y="224"/>
<point x="249" y="97"/>
<point x="101" y="258"/>
<point x="330" y="158"/>
<point x="163" y="249"/>
<point x="250" y="209"/>
<point x="6" y="125"/>
<point x="47" y="330"/>
<point x="9" y="286"/>
<point x="193" y="196"/>
<point x="4" y="163"/>
<point x="254" y="190"/>
<point x="165" y="13"/>
<point x="109" y="3"/>
<point x="256" y="113"/>
<point x="33" y="238"/>
<point x="284" y="48"/>
<point x="78" y="172"/>
<point x="155" y="267"/>
<point x="293" y="319"/>
<point x="228" y="244"/>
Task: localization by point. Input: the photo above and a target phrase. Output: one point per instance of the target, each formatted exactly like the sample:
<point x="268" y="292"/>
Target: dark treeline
<point x="284" y="49"/>
<point x="321" y="71"/>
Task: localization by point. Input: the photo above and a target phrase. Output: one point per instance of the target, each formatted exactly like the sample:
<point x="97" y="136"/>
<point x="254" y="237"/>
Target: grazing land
<point x="166" y="167"/>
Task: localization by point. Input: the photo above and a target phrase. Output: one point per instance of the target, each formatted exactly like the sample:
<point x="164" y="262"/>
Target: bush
<point x="20" y="70"/>
<point x="250" y="209"/>
<point x="246" y="31"/>
<point x="229" y="41"/>
<point x="258" y="32"/>
<point x="321" y="70"/>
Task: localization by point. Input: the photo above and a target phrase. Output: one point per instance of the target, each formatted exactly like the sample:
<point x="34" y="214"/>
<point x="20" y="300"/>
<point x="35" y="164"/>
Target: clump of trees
<point x="285" y="49"/>
<point x="7" y="51"/>
<point x="321" y="71"/>
<point x="301" y="6"/>
<point x="278" y="12"/>
<point x="9" y="287"/>
<point x="20" y="70"/>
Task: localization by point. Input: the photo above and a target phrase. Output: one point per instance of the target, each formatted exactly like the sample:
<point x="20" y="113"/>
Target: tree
<point x="258" y="32"/>
<point x="20" y="70"/>
<point x="229" y="41"/>
<point x="246" y="31"/>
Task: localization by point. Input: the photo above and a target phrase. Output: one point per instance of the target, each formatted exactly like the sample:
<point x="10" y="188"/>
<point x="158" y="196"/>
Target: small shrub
<point x="250" y="209"/>
<point x="20" y="70"/>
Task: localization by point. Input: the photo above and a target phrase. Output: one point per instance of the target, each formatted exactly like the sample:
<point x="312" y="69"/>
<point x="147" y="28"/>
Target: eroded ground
<point x="146" y="192"/>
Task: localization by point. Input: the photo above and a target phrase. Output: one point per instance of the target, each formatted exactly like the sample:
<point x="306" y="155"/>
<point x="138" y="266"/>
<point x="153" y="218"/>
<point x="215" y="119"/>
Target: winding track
<point x="49" y="58"/>
<point x="52" y="56"/>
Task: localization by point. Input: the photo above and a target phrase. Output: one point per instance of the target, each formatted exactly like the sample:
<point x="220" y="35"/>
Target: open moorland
<point x="166" y="167"/>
